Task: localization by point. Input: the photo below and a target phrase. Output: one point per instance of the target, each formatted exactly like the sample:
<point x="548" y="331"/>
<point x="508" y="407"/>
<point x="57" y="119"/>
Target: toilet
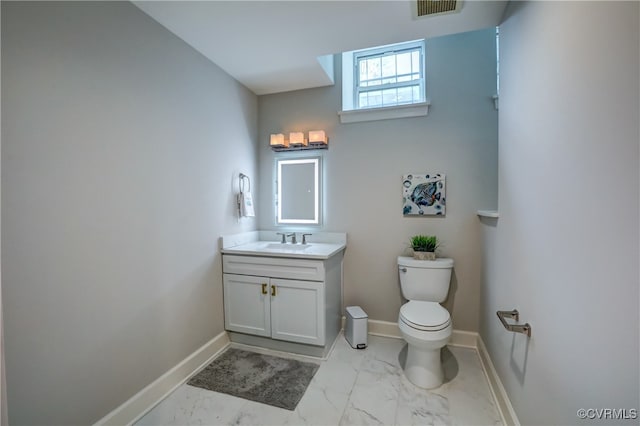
<point x="424" y="324"/>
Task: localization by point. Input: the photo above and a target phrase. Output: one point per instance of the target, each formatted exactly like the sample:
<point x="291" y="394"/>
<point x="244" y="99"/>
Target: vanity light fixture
<point x="278" y="141"/>
<point x="297" y="139"/>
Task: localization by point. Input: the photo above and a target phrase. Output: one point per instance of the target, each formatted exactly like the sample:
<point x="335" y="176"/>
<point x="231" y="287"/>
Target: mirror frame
<point x="317" y="161"/>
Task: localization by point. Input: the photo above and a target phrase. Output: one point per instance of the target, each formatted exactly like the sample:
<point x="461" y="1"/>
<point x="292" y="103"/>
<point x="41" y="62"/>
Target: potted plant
<point x="424" y="247"/>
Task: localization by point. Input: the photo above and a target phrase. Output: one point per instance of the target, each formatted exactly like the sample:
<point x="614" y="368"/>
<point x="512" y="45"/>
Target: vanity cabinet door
<point x="297" y="311"/>
<point x="247" y="304"/>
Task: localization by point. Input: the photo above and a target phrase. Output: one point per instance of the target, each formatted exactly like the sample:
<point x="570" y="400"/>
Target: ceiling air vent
<point x="434" y="7"/>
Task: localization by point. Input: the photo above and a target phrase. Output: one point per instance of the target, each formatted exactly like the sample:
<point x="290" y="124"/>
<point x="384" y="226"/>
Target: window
<point x="384" y="82"/>
<point x="389" y="75"/>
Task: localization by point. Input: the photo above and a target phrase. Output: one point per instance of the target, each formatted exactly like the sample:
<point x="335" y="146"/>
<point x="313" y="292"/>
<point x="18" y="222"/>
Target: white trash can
<point x="356" y="327"/>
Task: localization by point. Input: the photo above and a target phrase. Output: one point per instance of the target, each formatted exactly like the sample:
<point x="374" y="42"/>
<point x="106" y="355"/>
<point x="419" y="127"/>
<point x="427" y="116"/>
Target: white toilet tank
<point x="426" y="280"/>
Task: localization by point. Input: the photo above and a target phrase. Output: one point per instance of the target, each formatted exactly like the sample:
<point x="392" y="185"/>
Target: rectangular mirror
<point x="298" y="191"/>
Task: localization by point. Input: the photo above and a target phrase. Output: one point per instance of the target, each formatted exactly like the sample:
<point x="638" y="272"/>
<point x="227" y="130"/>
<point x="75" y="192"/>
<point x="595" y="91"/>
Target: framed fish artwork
<point x="424" y="194"/>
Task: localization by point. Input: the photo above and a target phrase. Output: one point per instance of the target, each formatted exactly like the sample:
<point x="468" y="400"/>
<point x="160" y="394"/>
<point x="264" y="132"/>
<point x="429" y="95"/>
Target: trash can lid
<point x="356" y="312"/>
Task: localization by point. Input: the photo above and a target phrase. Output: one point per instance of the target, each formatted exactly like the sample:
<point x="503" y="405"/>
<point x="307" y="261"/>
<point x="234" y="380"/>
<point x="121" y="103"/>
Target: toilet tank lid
<point x="439" y="263"/>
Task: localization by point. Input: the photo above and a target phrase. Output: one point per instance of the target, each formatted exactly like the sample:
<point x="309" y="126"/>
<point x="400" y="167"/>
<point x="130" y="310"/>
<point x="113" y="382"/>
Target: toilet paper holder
<point x="516" y="328"/>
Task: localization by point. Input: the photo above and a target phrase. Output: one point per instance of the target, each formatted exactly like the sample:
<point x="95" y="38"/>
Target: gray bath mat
<point x="267" y="379"/>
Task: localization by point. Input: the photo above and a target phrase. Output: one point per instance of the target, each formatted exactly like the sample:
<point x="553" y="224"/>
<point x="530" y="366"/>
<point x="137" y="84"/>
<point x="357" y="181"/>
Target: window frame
<point x="382" y="51"/>
<point x="351" y="114"/>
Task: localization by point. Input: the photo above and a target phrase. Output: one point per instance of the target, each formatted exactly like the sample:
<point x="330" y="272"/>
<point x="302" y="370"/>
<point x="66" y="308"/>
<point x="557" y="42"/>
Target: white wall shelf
<point x="488" y="213"/>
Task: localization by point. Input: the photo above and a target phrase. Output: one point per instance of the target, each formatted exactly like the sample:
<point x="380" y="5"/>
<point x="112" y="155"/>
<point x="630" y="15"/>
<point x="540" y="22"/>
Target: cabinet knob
<point x="273" y="290"/>
<point x="264" y="288"/>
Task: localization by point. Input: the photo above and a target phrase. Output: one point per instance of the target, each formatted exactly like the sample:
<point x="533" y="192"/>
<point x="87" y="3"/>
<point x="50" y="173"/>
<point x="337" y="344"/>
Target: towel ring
<point x="241" y="182"/>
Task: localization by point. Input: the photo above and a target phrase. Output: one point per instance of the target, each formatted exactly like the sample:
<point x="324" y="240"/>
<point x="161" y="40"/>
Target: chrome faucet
<point x="284" y="238"/>
<point x="304" y="238"/>
<point x="293" y="238"/>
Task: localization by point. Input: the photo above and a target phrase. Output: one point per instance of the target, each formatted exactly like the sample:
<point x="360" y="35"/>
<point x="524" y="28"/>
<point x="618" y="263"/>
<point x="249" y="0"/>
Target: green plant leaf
<point x="424" y="243"/>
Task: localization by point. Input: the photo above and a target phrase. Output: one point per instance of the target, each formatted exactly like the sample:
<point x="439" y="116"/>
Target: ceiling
<point x="274" y="46"/>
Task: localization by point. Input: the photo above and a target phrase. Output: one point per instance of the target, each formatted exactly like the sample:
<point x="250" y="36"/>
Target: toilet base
<point x="424" y="367"/>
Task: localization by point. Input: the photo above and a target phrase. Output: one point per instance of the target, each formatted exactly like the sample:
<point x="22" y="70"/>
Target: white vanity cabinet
<point x="289" y="304"/>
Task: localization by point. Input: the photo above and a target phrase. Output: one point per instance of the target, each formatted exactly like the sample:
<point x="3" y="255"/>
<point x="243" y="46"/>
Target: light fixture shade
<point x="278" y="141"/>
<point x="317" y="137"/>
<point x="297" y="139"/>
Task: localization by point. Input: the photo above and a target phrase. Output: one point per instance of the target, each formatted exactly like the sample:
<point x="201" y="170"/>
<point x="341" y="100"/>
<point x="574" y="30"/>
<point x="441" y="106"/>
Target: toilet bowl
<point x="424" y="324"/>
<point x="426" y="327"/>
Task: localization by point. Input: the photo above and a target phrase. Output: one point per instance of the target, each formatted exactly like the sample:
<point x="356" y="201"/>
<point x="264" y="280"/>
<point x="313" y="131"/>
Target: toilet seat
<point x="425" y="316"/>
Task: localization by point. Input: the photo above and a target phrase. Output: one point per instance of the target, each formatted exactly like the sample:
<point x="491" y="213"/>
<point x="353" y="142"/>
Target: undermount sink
<point x="287" y="246"/>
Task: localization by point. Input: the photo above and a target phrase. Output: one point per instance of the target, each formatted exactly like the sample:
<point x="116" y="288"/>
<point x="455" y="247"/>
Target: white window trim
<point x="384" y="113"/>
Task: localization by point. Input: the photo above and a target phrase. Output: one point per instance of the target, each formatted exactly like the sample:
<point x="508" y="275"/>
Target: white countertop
<point x="321" y="245"/>
<point x="297" y="251"/>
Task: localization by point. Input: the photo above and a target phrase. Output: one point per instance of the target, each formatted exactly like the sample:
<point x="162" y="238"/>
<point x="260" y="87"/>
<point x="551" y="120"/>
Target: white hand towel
<point x="246" y="204"/>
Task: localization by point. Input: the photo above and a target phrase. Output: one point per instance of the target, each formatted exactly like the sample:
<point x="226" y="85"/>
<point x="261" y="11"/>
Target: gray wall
<point x="565" y="248"/>
<point x="365" y="163"/>
<point x="121" y="147"/>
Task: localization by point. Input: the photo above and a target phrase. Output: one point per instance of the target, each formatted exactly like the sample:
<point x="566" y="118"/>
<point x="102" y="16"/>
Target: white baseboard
<point x="466" y="339"/>
<point x="383" y="328"/>
<point x="509" y="417"/>
<point x="462" y="338"/>
<point x="139" y="404"/>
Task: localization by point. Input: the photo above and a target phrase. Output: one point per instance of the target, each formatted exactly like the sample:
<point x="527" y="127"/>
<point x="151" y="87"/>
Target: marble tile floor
<point x="351" y="387"/>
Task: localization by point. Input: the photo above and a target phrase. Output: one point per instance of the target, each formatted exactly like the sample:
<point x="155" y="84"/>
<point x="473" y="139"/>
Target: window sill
<point x="385" y="113"/>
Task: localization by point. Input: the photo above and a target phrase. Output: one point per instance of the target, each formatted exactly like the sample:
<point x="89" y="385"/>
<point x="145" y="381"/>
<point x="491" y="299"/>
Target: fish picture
<point x="423" y="194"/>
